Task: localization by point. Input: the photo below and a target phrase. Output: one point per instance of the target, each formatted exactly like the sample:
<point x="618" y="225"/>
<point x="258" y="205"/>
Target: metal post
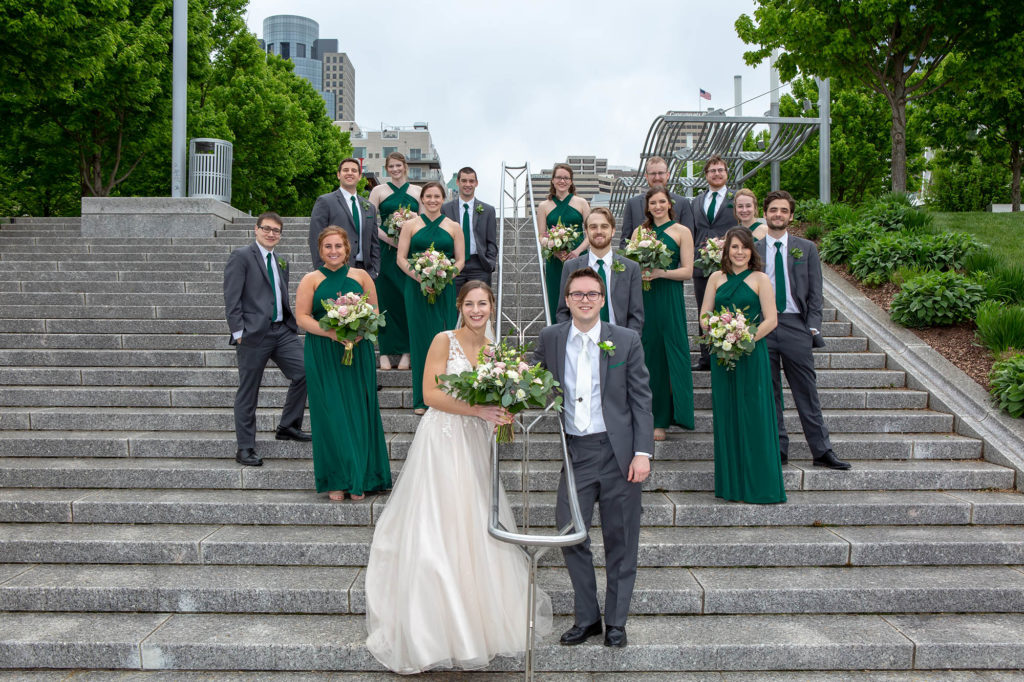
<point x="689" y="166"/>
<point x="179" y="93"/>
<point x="737" y="85"/>
<point x="773" y="130"/>
<point x="824" y="140"/>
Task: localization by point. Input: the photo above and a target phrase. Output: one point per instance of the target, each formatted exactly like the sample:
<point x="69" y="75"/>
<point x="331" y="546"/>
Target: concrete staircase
<point x="130" y="539"/>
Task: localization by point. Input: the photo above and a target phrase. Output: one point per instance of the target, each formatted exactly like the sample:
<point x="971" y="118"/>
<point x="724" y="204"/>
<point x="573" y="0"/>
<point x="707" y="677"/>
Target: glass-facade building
<point x="298" y="38"/>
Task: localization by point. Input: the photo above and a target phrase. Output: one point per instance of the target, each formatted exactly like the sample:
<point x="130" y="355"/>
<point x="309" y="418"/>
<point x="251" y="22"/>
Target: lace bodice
<point x="457" y="360"/>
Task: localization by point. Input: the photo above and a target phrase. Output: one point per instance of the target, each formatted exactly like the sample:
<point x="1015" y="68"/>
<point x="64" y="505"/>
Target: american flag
<point x="705" y="94"/>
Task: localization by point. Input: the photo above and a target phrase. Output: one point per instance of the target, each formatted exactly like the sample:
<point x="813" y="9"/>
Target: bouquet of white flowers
<point x="709" y="257"/>
<point x="559" y="238"/>
<point x="436" y="271"/>
<point x="393" y="225"/>
<point x="351" y="316"/>
<point x="647" y="250"/>
<point x="729" y="336"/>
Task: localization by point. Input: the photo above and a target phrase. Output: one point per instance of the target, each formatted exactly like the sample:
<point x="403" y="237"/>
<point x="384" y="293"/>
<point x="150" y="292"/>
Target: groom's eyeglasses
<point x="270" y="230"/>
<point x="591" y="296"/>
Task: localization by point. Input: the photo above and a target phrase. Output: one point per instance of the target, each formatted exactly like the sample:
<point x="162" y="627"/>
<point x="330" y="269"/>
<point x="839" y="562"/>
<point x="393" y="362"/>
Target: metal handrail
<point x="575" y="532"/>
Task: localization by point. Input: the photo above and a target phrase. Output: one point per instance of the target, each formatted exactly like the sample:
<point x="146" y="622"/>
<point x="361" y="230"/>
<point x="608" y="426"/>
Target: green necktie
<point x="273" y="288"/>
<point x="465" y="228"/>
<point x="356" y="220"/>
<point x="780" y="279"/>
<point x="711" y="208"/>
<point x="607" y="294"/>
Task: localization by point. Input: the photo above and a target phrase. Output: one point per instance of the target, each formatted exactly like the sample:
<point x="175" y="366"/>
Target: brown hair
<point x="465" y="170"/>
<point x="572" y="185"/>
<point x="351" y="159"/>
<point x="743" y="193"/>
<point x="269" y="215"/>
<point x="433" y="183"/>
<point x="602" y="211"/>
<point x="747" y="239"/>
<point x="469" y="286"/>
<point x="330" y="231"/>
<point x="657" y="189"/>
<point x="578" y="274"/>
<point x="398" y="156"/>
<point x="714" y="161"/>
<point x="779" y="194"/>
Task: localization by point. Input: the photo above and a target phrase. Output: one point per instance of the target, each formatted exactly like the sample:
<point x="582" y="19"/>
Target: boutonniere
<point x="282" y="263"/>
<point x="618" y="267"/>
<point x="479" y="208"/>
<point x="364" y="204"/>
<point x="607" y="347"/>
<point x="797" y="254"/>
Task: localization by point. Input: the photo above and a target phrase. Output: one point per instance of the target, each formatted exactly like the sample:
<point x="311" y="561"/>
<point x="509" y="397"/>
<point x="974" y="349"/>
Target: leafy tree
<point x="892" y="47"/>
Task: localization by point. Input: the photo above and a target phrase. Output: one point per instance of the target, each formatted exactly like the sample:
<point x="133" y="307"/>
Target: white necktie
<point x="581" y="417"/>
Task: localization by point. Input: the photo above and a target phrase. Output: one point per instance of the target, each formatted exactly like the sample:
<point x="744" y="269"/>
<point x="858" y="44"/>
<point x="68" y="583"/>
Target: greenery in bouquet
<point x="729" y="335"/>
<point x="436" y="271"/>
<point x="647" y="250"/>
<point x="393" y="225"/>
<point x="351" y="317"/>
<point x="559" y="238"/>
<point x="709" y="256"/>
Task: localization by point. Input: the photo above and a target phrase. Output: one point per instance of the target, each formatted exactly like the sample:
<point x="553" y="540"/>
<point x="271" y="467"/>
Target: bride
<point x="440" y="592"/>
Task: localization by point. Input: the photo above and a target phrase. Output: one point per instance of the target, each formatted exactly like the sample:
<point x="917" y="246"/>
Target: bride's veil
<point x="488" y="330"/>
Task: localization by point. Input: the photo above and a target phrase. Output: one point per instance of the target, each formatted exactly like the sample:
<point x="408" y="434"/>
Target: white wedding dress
<point x="440" y="591"/>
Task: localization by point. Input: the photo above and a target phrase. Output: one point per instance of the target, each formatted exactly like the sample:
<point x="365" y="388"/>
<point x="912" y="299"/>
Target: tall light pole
<point x="824" y="141"/>
<point x="178" y="97"/>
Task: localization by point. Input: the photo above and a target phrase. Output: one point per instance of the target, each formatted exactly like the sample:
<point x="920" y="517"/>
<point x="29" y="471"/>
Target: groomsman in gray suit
<point x="712" y="217"/>
<point x="263" y="328"/>
<point x="479" y="230"/>
<point x="656" y="173"/>
<point x="625" y="305"/>
<point x="793" y="266"/>
<point x="610" y="431"/>
<point x="358" y="217"/>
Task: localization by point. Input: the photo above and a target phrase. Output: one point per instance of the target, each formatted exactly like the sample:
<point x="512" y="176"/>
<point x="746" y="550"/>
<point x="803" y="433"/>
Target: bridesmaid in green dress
<point x="747" y="466"/>
<point x="350" y="453"/>
<point x="388" y="198"/>
<point x="665" y="339"/>
<point x="562" y="205"/>
<point x="426" y="320"/>
<point x="744" y="207"/>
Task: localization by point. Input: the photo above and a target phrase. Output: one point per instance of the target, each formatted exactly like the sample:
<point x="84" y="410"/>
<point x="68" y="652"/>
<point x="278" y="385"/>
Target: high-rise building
<point x="590" y="175"/>
<point x="316" y="59"/>
<point x="415" y="142"/>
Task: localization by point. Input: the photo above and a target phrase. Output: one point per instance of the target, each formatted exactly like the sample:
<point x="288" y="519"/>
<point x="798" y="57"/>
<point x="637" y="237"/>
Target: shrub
<point x="876" y="260"/>
<point x="995" y="289"/>
<point x="936" y="299"/>
<point x="895" y="215"/>
<point x="905" y="273"/>
<point x="1011" y="280"/>
<point x="808" y="211"/>
<point x="839" y="245"/>
<point x="968" y="186"/>
<point x="898" y="198"/>
<point x="836" y="215"/>
<point x="982" y="260"/>
<point x="1006" y="382"/>
<point x="947" y="250"/>
<point x="1000" y="327"/>
<point x="814" y="231"/>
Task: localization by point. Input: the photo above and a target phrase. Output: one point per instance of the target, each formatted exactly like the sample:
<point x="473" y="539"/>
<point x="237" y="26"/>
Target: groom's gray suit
<point x="601" y="463"/>
<point x="331" y="209"/>
<point x="627" y="300"/>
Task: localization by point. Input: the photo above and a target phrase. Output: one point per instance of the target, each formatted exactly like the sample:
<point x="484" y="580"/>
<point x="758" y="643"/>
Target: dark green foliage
<point x="808" y="211"/>
<point x="841" y="243"/>
<point x="947" y="250"/>
<point x="967" y="186"/>
<point x="1000" y="327"/>
<point x="814" y="231"/>
<point x="936" y="299"/>
<point x="1007" y="385"/>
<point x="894" y="215"/>
<point x="875" y="261"/>
<point x="982" y="260"/>
<point x="1003" y="283"/>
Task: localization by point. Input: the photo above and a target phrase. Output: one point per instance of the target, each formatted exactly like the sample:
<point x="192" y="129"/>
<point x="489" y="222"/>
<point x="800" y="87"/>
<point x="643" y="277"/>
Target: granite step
<point x="297" y="474"/>
<point x="336" y="642"/>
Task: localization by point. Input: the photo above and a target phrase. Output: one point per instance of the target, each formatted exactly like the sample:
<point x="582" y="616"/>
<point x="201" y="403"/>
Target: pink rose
<point x="343" y="311"/>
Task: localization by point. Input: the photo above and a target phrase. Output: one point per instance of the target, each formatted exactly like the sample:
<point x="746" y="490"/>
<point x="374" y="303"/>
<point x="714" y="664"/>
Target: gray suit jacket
<point x="805" y="280"/>
<point x="634" y="214"/>
<point x="248" y="298"/>
<point x="627" y="294"/>
<point x="625" y="387"/>
<point x="702" y="230"/>
<point x="485" y="229"/>
<point x="331" y="209"/>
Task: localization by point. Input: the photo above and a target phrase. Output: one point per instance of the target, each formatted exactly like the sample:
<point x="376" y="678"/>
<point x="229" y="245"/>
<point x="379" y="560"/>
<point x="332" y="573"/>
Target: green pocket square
<point x="617" y="364"/>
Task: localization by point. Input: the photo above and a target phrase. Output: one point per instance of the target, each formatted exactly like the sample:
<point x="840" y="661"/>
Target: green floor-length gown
<point x="552" y="266"/>
<point x="666" y="346"/>
<point x="426" y="319"/>
<point x="747" y="465"/>
<point x="349" y="449"/>
<point x="394" y="337"/>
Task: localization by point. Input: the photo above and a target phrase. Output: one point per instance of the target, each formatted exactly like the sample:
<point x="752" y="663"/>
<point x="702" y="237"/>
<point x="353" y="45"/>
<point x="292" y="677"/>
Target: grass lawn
<point x="1004" y="232"/>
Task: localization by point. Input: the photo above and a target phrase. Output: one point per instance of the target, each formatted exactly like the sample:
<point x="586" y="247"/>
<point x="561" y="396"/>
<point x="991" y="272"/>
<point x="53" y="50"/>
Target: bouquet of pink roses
<point x="729" y="335"/>
<point x="709" y="257"/>
<point x="351" y="316"/>
<point x="647" y="250"/>
<point x="559" y="238"/>
<point x="503" y="377"/>
<point x="436" y="271"/>
<point x="393" y="225"/>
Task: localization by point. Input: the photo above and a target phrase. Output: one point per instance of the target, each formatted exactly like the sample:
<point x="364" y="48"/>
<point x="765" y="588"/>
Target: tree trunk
<point x="1015" y="163"/>
<point x="898" y="133"/>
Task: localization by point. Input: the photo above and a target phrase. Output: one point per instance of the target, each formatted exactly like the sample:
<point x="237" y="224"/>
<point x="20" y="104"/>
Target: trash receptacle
<point x="209" y="169"/>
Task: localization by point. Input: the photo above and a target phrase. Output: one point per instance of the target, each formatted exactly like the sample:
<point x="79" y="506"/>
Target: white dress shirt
<point x="357" y="219"/>
<point x="572" y="351"/>
<point x="719" y="203"/>
<point x="769" y="268"/>
<point x="608" y="259"/>
<point x="471" y="246"/>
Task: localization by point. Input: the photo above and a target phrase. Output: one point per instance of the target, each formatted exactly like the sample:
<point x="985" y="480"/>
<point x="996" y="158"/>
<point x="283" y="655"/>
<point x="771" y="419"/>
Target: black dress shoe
<point x="292" y="433"/>
<point x="248" y="457"/>
<point x="784" y="457"/>
<point x="615" y="635"/>
<point x="579" y="634"/>
<point x="829" y="459"/>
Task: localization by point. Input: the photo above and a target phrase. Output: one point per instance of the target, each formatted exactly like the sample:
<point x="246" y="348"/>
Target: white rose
<point x="513" y="375"/>
<point x="333" y="314"/>
<point x="726" y="346"/>
<point x="718" y="332"/>
<point x="520" y="394"/>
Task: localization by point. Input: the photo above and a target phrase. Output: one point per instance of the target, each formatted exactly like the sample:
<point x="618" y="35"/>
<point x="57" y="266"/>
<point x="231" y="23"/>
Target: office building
<point x="590" y="175"/>
<point x="373" y="146"/>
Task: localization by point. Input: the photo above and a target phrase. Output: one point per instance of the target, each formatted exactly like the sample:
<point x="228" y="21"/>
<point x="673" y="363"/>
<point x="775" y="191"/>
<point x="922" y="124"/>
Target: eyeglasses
<point x="719" y="171"/>
<point x="591" y="296"/>
<point x="270" y="230"/>
<point x="562" y="178"/>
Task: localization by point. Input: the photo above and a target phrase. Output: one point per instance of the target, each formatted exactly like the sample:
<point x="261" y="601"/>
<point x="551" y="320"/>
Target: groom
<point x="610" y="432"/>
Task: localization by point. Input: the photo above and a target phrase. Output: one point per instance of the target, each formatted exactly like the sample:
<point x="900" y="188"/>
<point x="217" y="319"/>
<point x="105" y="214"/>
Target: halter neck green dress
<point x="349" y="449"/>
<point x="747" y="465"/>
<point x="552" y="266"/>
<point x="426" y="320"/>
<point x="666" y="345"/>
<point x="394" y="337"/>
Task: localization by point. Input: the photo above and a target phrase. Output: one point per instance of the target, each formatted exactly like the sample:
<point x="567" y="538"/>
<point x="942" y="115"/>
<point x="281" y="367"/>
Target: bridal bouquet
<point x="436" y="271"/>
<point x="393" y="225"/>
<point x="709" y="258"/>
<point x="351" y="316"/>
<point x="503" y="377"/>
<point x="559" y="238"/>
<point x="729" y="336"/>
<point x="648" y="251"/>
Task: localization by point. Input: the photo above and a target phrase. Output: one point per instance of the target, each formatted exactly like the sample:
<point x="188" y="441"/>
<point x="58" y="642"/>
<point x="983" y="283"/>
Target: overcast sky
<point x="531" y="80"/>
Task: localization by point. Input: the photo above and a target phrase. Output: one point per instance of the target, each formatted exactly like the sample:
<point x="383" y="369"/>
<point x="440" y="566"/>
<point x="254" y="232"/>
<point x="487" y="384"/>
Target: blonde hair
<point x="743" y="193"/>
